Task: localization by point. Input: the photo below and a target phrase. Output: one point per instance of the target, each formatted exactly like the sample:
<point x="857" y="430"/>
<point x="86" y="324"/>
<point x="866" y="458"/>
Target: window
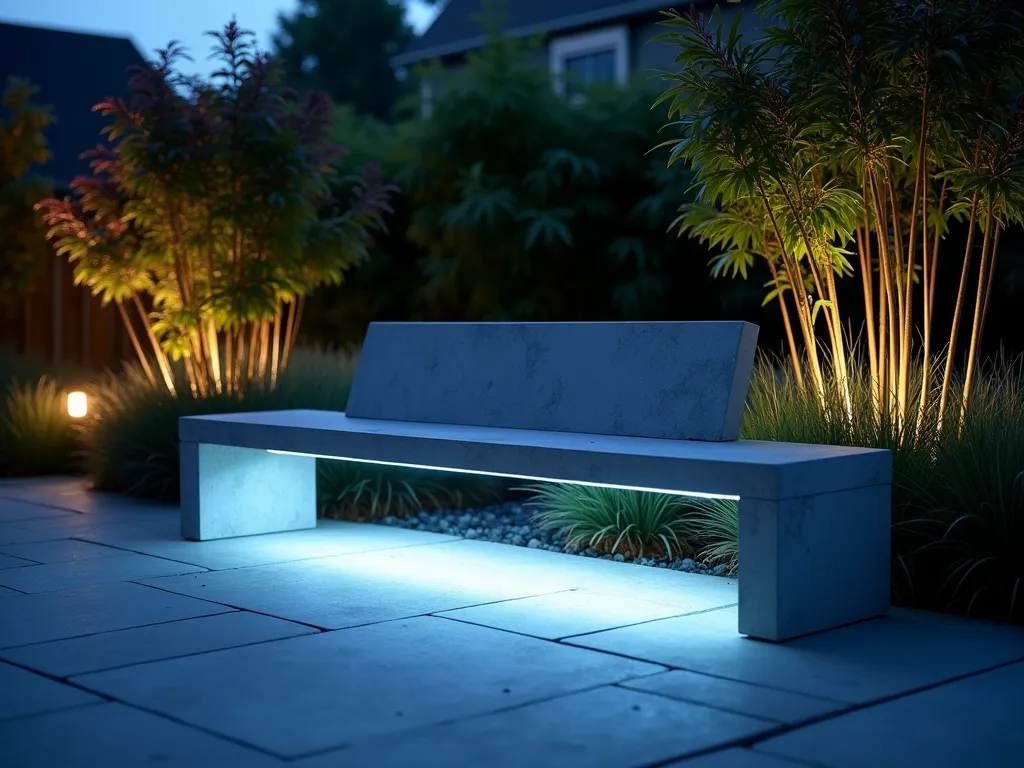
<point x="426" y="99"/>
<point x="581" y="60"/>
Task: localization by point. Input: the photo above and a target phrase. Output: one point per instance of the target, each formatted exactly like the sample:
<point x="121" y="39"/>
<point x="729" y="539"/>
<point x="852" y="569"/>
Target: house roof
<point x="456" y="30"/>
<point x="73" y="71"/>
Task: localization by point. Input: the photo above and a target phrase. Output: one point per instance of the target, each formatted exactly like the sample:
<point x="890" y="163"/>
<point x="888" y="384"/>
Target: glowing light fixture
<point x="78" y="405"/>
<point x="534" y="478"/>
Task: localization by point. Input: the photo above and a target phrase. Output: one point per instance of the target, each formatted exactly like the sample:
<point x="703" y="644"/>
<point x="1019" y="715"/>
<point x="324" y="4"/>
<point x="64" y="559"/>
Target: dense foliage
<point x="842" y="145"/>
<point x="533" y="208"/>
<point x="343" y="47"/>
<point x="210" y="216"/>
<point x="517" y="204"/>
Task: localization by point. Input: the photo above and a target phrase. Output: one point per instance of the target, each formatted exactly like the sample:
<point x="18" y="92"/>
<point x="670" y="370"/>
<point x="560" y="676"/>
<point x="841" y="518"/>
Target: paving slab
<point x="752" y="700"/>
<point x="488" y="562"/>
<point x="58" y="551"/>
<point x="53" y="577"/>
<point x="351" y="590"/>
<point x="366" y="587"/>
<point x="108" y="650"/>
<point x="564" y="614"/>
<point x="40" y="618"/>
<point x="973" y="721"/>
<point x="861" y="663"/>
<point x="78" y="526"/>
<point x="7" y="561"/>
<point x="74" y="493"/>
<point x="737" y="757"/>
<point x="12" y="511"/>
<point x="308" y="694"/>
<point x="602" y="728"/>
<point x="41" y="489"/>
<point x="25" y="693"/>
<point x="329" y="538"/>
<point x="106" y="735"/>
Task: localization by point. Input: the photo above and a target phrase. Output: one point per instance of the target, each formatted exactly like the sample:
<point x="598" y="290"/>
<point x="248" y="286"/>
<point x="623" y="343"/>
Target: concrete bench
<point x="651" y="406"/>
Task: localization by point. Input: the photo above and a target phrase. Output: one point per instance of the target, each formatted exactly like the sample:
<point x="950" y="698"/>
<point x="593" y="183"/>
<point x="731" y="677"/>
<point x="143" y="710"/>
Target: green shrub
<point x="962" y="533"/>
<point x="130" y="441"/>
<point x="715" y="525"/>
<point x="639" y="523"/>
<point x="36" y="433"/>
<point x="612" y="520"/>
<point x="352" y="490"/>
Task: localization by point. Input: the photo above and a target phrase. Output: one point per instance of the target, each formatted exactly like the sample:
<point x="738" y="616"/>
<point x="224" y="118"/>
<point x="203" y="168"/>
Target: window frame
<point x="615" y="39"/>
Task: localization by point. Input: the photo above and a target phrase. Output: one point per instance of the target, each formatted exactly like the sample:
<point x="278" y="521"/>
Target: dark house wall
<point x="73" y="71"/>
<point x="648" y="55"/>
<point x="59" y="321"/>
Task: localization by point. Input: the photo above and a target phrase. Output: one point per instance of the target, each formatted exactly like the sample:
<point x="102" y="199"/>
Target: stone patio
<point x="359" y="645"/>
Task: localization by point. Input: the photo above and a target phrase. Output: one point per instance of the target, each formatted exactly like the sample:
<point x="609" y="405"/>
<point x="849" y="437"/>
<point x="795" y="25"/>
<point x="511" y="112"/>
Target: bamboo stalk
<point x="794" y="356"/>
<point x="979" y="308"/>
<point x="143" y="361"/>
<point x="264" y="348"/>
<point x="214" y="348"/>
<point x="240" y="380"/>
<point x="864" y="255"/>
<point x="229" y="373"/>
<point x="190" y="372"/>
<point x="275" y="347"/>
<point x="803" y="313"/>
<point x="200" y="360"/>
<point x="294" y="322"/>
<point x="250" y="369"/>
<point x="958" y="308"/>
<point x="889" y="317"/>
<point x="161" y="356"/>
<point x="928" y="269"/>
<point x="991" y="273"/>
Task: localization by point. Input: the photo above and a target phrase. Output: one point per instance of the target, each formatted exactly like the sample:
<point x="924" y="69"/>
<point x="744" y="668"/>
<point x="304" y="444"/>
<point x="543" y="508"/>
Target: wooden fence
<point x="63" y="324"/>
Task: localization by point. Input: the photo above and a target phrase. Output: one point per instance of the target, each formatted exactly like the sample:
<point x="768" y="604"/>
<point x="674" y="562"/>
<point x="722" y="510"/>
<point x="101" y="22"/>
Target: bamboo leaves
<point x="211" y="215"/>
<point x="848" y="137"/>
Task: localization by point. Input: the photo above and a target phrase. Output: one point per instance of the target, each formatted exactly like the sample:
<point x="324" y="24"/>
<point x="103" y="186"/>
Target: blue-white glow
<point x="694" y="494"/>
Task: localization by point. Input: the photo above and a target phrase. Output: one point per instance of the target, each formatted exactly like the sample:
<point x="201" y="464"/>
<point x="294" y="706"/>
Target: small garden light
<point x="78" y="405"/>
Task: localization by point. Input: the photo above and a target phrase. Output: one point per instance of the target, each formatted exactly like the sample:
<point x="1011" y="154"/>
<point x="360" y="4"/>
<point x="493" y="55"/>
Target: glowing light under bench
<point x="534" y="478"/>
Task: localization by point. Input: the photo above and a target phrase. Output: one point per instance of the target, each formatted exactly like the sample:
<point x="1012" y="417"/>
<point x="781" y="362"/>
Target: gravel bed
<point x="512" y="523"/>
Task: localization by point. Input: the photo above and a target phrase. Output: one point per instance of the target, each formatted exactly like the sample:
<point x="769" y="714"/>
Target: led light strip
<point x="694" y="494"/>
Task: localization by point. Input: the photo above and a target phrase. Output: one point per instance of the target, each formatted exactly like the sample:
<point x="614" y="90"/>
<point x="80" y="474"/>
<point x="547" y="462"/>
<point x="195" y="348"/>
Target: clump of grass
<point x="963" y="529"/>
<point x="36" y="434"/>
<point x="715" y="525"/>
<point x="130" y="439"/>
<point x="958" y="484"/>
<point x="351" y="490"/>
<point x="611" y="520"/>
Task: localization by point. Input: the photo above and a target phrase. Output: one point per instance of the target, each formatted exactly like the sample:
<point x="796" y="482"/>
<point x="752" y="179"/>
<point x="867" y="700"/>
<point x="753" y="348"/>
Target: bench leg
<point x="227" y="492"/>
<point x="813" y="563"/>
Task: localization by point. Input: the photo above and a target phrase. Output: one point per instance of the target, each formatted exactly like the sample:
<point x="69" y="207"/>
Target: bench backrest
<point x="676" y="380"/>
